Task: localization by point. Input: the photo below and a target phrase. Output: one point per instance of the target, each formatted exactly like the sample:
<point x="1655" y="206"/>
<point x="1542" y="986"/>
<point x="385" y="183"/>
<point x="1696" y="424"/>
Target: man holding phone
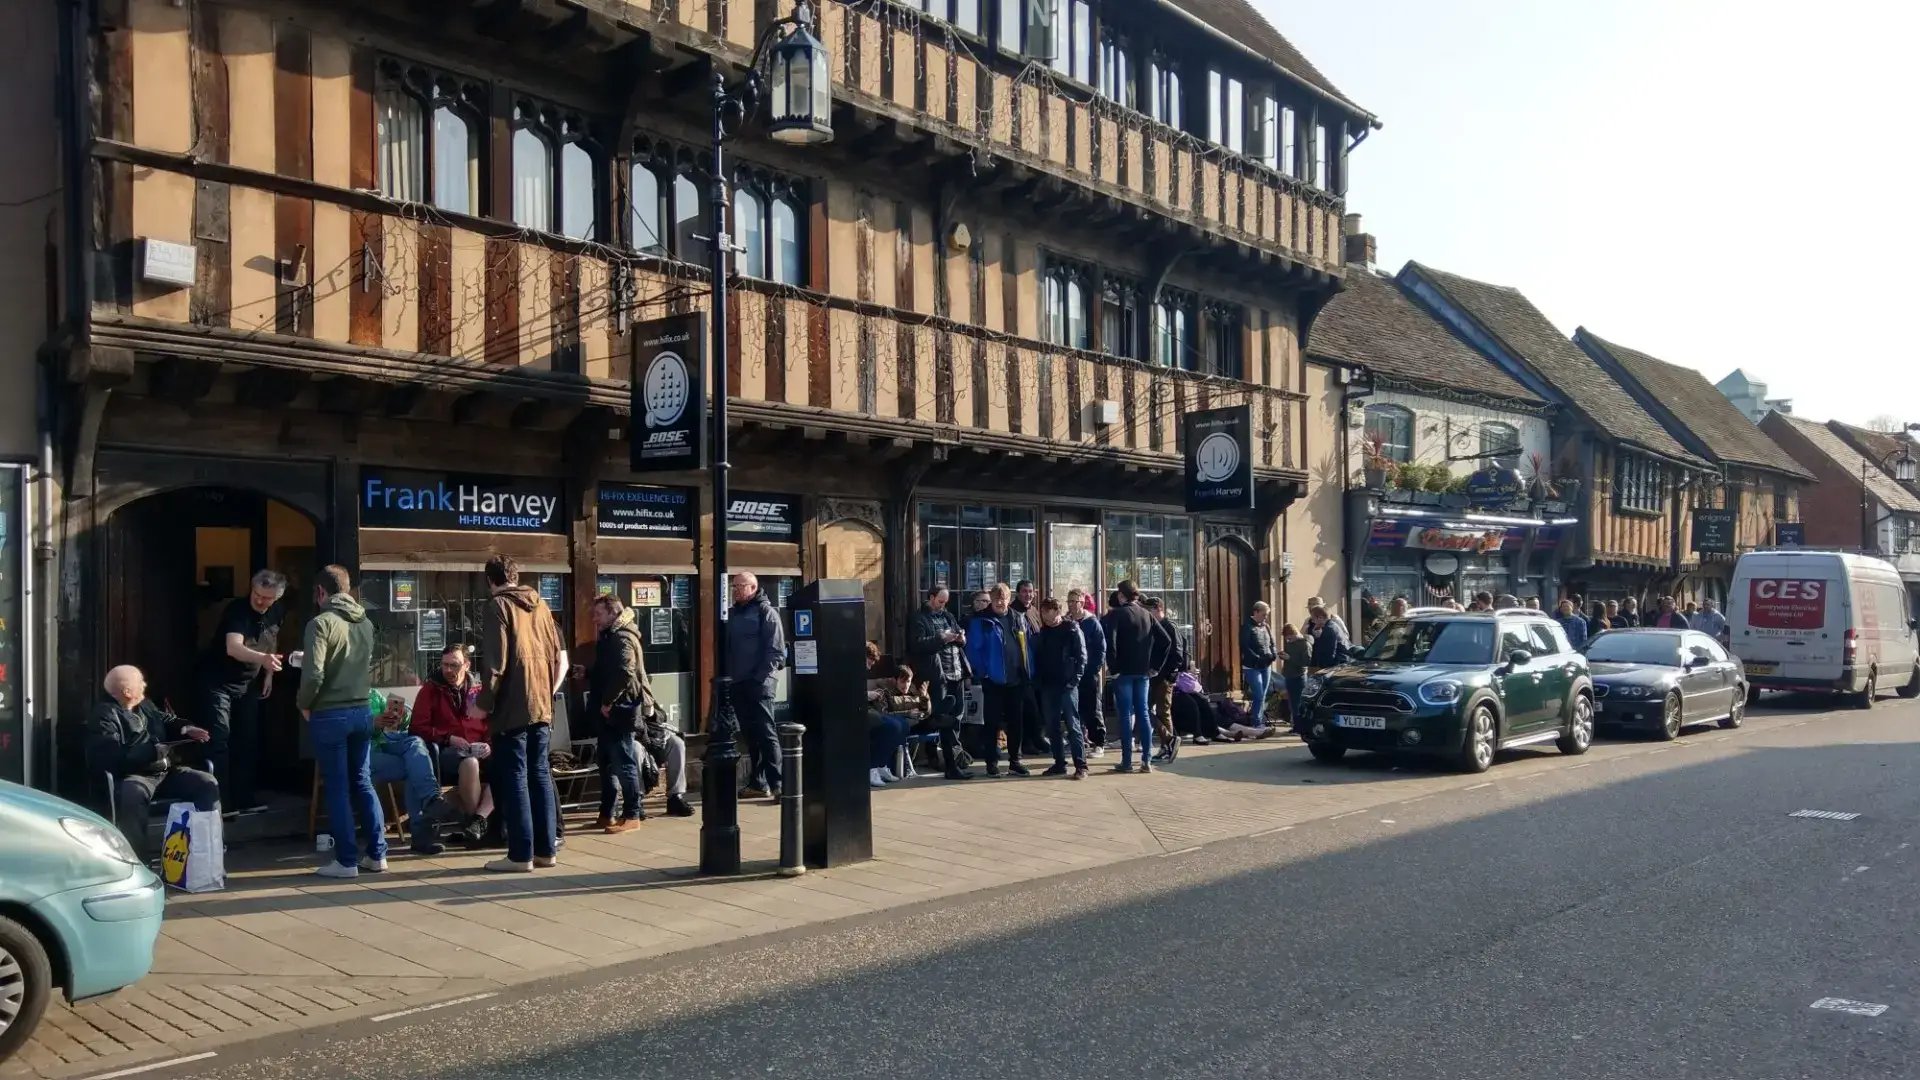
<point x="236" y="674"/>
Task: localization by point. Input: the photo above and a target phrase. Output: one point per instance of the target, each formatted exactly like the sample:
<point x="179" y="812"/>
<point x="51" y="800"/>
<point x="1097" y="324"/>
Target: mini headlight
<point x="1313" y="686"/>
<point x="1440" y="692"/>
<point x="104" y="842"/>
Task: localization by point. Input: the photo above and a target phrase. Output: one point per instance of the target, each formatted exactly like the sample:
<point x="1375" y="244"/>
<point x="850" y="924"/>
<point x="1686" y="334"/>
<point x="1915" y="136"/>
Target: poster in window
<point x="660" y="626"/>
<point x="1119" y="570"/>
<point x="683" y="593"/>
<point x="1151" y="579"/>
<point x="402" y="595"/>
<point x="784" y="591"/>
<point x="976" y="575"/>
<point x="1016" y="572"/>
<point x="646" y="593"/>
<point x="1176" y="574"/>
<point x="430" y="633"/>
<point x="553" y="591"/>
<point x="604" y="585"/>
<point x="942" y="571"/>
<point x="1074" y="558"/>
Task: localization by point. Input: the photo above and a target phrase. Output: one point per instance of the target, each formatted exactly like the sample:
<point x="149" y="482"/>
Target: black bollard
<point x="792" y="824"/>
<point x="719" y="786"/>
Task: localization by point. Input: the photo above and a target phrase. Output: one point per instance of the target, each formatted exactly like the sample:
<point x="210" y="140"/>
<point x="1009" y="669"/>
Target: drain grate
<point x="1825" y="815"/>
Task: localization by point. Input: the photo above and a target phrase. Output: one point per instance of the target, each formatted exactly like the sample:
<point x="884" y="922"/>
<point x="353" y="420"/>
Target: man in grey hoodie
<point x="756" y="648"/>
<point x="336" y="673"/>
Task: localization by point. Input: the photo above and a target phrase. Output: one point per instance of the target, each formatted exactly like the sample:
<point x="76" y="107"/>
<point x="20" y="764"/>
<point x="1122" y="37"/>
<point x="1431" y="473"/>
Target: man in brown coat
<point x="523" y="665"/>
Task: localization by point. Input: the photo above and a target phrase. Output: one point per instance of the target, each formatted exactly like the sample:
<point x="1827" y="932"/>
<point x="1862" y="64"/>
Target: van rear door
<point x="1793" y="619"/>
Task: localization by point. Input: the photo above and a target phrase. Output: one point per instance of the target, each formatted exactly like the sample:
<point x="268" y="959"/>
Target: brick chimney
<point x="1361" y="248"/>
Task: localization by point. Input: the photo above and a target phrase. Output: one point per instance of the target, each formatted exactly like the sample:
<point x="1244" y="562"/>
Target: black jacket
<point x="126" y="742"/>
<point x="934" y="660"/>
<point x="1169" y="659"/>
<point x="619" y="676"/>
<point x="1094" y="632"/>
<point x="1059" y="656"/>
<point x="1130" y="640"/>
<point x="1330" y="645"/>
<point x="1257" y="649"/>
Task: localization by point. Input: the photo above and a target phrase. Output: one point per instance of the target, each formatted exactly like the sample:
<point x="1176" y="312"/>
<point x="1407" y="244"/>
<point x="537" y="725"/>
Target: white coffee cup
<point x="296" y="658"/>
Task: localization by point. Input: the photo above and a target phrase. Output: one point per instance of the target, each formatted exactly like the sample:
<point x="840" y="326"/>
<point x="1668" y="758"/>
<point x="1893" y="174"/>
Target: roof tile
<point x="1239" y="20"/>
<point x="1854" y="463"/>
<point x="1692" y="401"/>
<point x="1373" y="324"/>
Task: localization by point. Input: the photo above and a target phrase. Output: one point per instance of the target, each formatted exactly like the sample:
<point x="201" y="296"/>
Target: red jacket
<point x="440" y="712"/>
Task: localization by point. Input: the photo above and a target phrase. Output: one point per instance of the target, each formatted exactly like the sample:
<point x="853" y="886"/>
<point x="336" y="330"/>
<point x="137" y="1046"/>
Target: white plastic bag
<point x="193" y="856"/>
<point x="976" y="713"/>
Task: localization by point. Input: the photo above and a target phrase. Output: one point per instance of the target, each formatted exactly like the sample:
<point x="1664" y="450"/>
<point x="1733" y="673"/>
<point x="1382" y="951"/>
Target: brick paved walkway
<point x="280" y="950"/>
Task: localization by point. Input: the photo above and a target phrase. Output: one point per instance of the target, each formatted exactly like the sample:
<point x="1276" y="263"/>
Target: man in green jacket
<point x="336" y="673"/>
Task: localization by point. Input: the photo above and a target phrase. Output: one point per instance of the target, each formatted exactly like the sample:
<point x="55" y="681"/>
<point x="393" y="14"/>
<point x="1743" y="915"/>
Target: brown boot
<point x="604" y="823"/>
<point x="624" y="825"/>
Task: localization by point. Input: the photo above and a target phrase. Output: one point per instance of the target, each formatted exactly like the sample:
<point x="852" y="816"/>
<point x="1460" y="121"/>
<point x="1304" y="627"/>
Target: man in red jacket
<point x="443" y="715"/>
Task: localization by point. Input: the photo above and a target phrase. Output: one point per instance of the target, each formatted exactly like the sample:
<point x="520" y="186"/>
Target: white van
<point x="1823" y="620"/>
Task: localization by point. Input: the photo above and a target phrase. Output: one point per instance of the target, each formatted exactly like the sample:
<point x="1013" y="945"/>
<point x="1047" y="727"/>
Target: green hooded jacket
<point x="337" y="671"/>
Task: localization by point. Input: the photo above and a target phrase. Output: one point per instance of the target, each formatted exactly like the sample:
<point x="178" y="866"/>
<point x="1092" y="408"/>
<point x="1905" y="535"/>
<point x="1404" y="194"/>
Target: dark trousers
<point x="134" y="796"/>
<point x="754" y="707"/>
<point x="232" y="718"/>
<point x="1296" y="689"/>
<point x="522" y="780"/>
<point x="1005" y="708"/>
<point x="1090" y="717"/>
<point x="1033" y="722"/>
<point x="619" y="773"/>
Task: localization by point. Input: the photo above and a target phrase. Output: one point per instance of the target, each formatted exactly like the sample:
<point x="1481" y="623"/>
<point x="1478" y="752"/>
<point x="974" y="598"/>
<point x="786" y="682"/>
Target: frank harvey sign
<point x="458" y="502"/>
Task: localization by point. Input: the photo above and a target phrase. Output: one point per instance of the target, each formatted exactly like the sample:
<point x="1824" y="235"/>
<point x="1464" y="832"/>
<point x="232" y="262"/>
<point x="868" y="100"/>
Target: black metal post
<point x="719" y="783"/>
<point x="793" y="827"/>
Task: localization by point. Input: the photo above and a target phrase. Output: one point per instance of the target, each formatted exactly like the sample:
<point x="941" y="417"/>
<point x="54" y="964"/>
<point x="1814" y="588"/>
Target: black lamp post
<point x="1898" y="461"/>
<point x="801" y="112"/>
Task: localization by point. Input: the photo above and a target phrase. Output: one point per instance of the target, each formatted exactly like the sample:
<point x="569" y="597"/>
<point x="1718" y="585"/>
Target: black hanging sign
<point x="669" y="427"/>
<point x="1218" y="446"/>
<point x="1713" y="531"/>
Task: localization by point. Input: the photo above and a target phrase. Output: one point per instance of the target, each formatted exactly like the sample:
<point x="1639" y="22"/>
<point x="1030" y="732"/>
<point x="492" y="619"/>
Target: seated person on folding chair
<point x="400" y="757"/>
<point x="129" y="740"/>
<point x="456" y="733"/>
<point x="894" y="706"/>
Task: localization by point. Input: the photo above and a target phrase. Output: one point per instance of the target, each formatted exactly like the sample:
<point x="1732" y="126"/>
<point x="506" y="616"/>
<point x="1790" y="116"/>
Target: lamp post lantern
<point x="798" y="76"/>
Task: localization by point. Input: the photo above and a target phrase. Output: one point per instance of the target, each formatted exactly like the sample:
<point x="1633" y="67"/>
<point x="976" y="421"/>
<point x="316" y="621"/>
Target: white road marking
<point x="1182" y="851"/>
<point x="1824" y="815"/>
<point x="384" y="1017"/>
<point x="1388" y="821"/>
<point x="1349" y="813"/>
<point x="1477" y="787"/>
<point x="1588" y="765"/>
<point x="1861" y="869"/>
<point x="1270" y="832"/>
<point x="167" y="1064"/>
<point x="1857" y="1008"/>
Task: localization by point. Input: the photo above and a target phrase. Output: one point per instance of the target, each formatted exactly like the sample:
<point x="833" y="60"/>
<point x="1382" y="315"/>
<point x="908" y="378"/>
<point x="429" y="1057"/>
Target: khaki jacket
<point x="520" y="650"/>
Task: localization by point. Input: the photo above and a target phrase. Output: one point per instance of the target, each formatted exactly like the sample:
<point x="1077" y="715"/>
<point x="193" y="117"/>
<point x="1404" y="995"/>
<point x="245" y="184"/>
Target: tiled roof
<point x="1239" y="20"/>
<point x="1828" y="442"/>
<point x="1878" y="445"/>
<point x="1528" y="334"/>
<point x="1374" y="325"/>
<point x="1690" y="400"/>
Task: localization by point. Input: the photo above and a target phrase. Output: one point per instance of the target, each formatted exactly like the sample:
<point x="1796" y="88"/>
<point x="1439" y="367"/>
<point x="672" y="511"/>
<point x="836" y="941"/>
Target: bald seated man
<point x="137" y="744"/>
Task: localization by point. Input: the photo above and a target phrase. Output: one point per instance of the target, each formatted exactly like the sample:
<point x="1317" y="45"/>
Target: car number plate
<point x="1364" y="723"/>
<point x="1761" y="669"/>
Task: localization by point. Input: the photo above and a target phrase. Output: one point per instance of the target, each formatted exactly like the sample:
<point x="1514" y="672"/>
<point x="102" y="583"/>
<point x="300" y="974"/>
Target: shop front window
<point x="1388" y="578"/>
<point x="972" y="548"/>
<point x="663" y="613"/>
<point x="1155" y="552"/>
<point x="418" y="613"/>
<point x="1483" y="573"/>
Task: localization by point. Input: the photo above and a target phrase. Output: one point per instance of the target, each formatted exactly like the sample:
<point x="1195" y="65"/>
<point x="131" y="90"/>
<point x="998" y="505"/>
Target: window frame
<point x="771" y="190"/>
<point x="1061" y="281"/>
<point x="1392" y="450"/>
<point x="1163" y="92"/>
<point x="558" y="129"/>
<point x="1639" y="484"/>
<point x="1488" y="450"/>
<point x="433" y="92"/>
<point x="669" y="166"/>
<point x="1117" y="77"/>
<point x="1173" y="345"/>
<point x="1222" y="326"/>
<point x="1120" y="300"/>
<point x="948" y="12"/>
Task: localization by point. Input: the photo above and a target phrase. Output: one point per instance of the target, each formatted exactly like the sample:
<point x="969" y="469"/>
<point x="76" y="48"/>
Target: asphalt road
<point x="1648" y="911"/>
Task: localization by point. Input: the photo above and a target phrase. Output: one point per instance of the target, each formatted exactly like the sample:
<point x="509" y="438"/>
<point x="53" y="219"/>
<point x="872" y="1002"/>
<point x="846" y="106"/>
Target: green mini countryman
<point x="1461" y="685"/>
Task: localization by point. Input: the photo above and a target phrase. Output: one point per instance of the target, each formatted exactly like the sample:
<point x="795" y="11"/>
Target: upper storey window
<point x="556" y="183"/>
<point x="428" y="130"/>
<point x="1163" y="92"/>
<point x="960" y="14"/>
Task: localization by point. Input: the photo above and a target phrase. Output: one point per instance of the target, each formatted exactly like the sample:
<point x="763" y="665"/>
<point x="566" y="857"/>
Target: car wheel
<point x="1579" y="734"/>
<point x="1737" y="714"/>
<point x="1753" y="697"/>
<point x="1671" y="715"/>
<point x="1482" y="735"/>
<point x="1326" y="751"/>
<point x="1864" y="699"/>
<point x="26" y="984"/>
<point x="1912" y="689"/>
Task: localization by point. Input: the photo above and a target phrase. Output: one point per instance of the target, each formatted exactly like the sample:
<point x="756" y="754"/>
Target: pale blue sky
<point x="1718" y="183"/>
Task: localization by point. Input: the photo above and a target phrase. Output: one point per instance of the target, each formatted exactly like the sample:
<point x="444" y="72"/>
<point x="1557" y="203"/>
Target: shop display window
<point x="971" y="548"/>
<point x="418" y="613"/>
<point x="1156" y="552"/>
<point x="664" y="614"/>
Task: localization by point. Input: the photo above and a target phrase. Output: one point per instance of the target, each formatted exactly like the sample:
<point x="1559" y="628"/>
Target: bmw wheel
<point x="1737" y="714"/>
<point x="26" y="984"/>
<point x="1482" y="735"/>
<point x="1671" y="714"/>
<point x="1579" y="734"/>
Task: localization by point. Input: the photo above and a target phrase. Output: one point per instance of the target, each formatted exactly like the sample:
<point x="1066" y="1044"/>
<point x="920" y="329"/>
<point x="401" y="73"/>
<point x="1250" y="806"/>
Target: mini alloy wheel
<point x="1579" y="734"/>
<point x="1482" y="735"/>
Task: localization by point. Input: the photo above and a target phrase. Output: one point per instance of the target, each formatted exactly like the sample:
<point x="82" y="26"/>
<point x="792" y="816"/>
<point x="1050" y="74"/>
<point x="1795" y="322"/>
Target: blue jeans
<point x="342" y="747"/>
<point x="753" y="706"/>
<point x="403" y="759"/>
<point x="1136" y="726"/>
<point x="619" y="762"/>
<point x="1259" y="681"/>
<point x="885" y="738"/>
<point x="522" y="783"/>
<point x="1061" y="707"/>
<point x="1296" y="689"/>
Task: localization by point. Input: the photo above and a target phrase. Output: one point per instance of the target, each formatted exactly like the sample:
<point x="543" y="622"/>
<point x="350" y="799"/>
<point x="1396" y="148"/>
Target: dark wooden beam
<point x="182" y="380"/>
<point x="687" y="78"/>
<point x="529" y="414"/>
<point x="349" y="396"/>
<point x="403" y="400"/>
<point x="636" y="67"/>
<point x="269" y="387"/>
<point x="518" y="20"/>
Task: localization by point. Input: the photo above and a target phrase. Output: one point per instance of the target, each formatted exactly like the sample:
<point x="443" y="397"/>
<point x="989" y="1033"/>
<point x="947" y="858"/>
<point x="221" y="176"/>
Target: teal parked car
<point x="78" y="910"/>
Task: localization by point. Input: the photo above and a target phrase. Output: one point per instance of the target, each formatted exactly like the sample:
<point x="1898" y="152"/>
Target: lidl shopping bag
<point x="193" y="857"/>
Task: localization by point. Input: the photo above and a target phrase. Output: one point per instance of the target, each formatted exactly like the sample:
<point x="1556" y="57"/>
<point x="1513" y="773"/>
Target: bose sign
<point x="1787" y="603"/>
<point x="754" y="515"/>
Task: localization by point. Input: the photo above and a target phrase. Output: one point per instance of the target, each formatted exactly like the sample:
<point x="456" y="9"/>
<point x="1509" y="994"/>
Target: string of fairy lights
<point x="636" y="287"/>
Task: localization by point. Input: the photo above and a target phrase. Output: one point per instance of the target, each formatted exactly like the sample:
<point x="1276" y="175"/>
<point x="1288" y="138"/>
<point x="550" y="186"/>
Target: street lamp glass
<point x="1903" y="468"/>
<point x="800" y="85"/>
